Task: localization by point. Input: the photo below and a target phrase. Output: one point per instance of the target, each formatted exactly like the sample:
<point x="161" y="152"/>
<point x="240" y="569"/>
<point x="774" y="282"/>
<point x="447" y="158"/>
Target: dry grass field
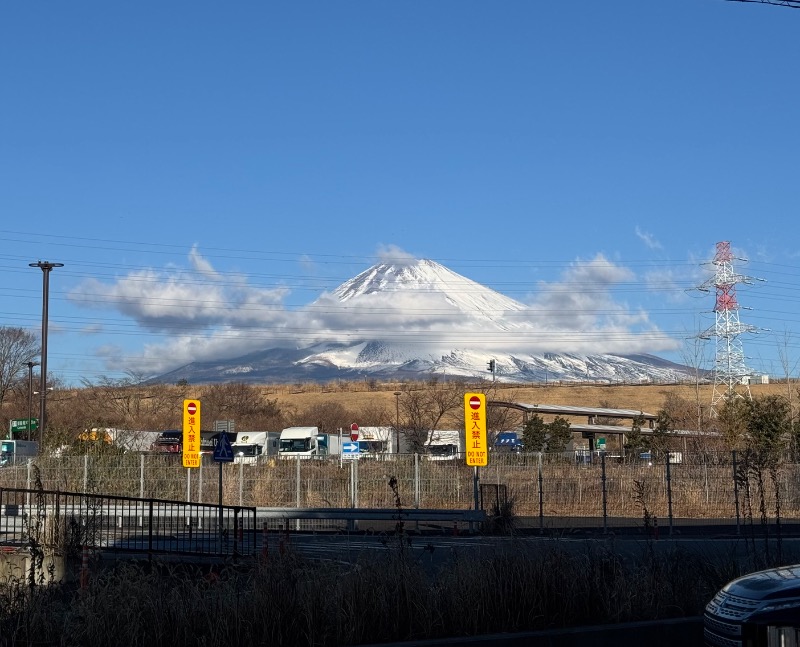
<point x="647" y="397"/>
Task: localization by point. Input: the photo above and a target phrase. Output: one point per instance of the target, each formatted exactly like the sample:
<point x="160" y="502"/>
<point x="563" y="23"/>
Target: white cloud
<point x="394" y="254"/>
<point x="580" y="313"/>
<point x="207" y="315"/>
<point x="648" y="239"/>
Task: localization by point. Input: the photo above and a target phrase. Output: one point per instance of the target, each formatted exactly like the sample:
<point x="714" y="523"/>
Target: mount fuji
<point x="415" y="319"/>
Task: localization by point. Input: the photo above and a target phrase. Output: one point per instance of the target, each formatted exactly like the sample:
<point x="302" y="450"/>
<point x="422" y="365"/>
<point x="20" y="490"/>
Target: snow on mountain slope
<point x="429" y="281"/>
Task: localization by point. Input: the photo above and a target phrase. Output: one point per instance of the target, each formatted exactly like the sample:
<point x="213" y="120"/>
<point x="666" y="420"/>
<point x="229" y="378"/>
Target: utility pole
<point x="46" y="267"/>
<point x="30" y="397"/>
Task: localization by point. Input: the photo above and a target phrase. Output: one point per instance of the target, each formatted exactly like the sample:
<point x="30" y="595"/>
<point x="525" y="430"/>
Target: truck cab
<point x="14" y="451"/>
<point x="306" y="442"/>
<point x="168" y="442"/>
<point x="250" y="446"/>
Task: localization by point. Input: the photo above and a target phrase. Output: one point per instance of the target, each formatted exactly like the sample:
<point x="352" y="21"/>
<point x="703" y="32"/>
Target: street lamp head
<point x="45" y="265"/>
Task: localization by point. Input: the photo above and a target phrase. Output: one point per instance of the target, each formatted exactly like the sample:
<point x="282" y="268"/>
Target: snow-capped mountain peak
<point x="431" y="279"/>
<point x="417" y="318"/>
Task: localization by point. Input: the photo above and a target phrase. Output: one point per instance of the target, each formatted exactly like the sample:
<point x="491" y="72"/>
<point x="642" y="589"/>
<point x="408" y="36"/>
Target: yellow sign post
<point x="475" y="426"/>
<point x="191" y="433"/>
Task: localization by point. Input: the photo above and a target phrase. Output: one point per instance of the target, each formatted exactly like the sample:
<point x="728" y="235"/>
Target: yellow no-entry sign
<point x="191" y="433"/>
<point x="475" y="426"/>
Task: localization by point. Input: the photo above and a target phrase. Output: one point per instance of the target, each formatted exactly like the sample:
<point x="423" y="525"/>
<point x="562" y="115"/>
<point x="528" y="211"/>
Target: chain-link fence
<point x="544" y="490"/>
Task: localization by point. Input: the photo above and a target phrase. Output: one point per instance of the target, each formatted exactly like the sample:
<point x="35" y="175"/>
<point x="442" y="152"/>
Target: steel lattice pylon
<point x="730" y="369"/>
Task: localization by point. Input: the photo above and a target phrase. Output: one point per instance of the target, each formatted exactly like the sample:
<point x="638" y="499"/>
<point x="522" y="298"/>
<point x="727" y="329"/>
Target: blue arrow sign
<point x="223" y="452"/>
<point x="350" y="448"/>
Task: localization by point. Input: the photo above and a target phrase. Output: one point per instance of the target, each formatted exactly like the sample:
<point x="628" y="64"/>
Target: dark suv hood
<point x="770" y="584"/>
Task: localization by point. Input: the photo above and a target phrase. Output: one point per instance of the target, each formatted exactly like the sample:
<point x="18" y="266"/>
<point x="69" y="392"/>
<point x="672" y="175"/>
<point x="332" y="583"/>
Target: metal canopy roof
<point x="569" y="410"/>
<point x="607" y="430"/>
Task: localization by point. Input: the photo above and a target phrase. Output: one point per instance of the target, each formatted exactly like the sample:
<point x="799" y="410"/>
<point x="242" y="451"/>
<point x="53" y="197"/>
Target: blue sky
<point x="255" y="155"/>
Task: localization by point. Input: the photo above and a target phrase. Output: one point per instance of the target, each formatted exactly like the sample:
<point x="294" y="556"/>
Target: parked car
<point x="759" y="609"/>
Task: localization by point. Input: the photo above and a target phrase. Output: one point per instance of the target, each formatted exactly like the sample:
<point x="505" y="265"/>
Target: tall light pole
<point x="30" y="396"/>
<point x="45" y="266"/>
<point x="397" y="395"/>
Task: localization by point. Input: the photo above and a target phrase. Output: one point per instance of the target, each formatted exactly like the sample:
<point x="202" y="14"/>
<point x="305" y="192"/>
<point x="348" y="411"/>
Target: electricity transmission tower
<point x="730" y="371"/>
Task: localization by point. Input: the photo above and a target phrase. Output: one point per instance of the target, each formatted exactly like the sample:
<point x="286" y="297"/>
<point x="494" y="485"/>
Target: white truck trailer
<point x="307" y="442"/>
<point x="445" y="444"/>
<point x="250" y="446"/>
<point x="375" y="441"/>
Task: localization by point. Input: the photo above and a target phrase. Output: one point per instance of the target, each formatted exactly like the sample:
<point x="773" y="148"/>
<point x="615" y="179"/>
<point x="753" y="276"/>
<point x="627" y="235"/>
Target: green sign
<point x="24" y="424"/>
<point x="601" y="443"/>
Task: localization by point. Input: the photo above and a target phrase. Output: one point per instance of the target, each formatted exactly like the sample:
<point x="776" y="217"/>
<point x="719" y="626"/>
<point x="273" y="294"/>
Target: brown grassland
<point x="649" y="398"/>
<point x="288" y="600"/>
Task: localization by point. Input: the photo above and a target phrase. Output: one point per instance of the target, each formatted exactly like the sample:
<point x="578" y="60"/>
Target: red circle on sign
<point x="354" y="432"/>
<point x="475" y="402"/>
<point x="191" y="408"/>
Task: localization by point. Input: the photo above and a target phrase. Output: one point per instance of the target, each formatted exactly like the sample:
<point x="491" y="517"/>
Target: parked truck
<point x="307" y="442"/>
<point x="376" y="441"/>
<point x="15" y="451"/>
<point x="508" y="441"/>
<point x="251" y="445"/>
<point x="445" y="444"/>
<point x="168" y="442"/>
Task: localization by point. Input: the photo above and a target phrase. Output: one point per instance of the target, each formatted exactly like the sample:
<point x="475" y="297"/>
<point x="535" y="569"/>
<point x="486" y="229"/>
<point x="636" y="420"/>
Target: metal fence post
<point x="540" y="480"/>
<point x="241" y="482"/>
<point x="200" y="481"/>
<point x="85" y="472"/>
<point x="669" y="493"/>
<point x="352" y="486"/>
<point x="736" y="492"/>
<point x="416" y="480"/>
<point x="141" y="487"/>
<point x="297" y="493"/>
<point x="605" y="491"/>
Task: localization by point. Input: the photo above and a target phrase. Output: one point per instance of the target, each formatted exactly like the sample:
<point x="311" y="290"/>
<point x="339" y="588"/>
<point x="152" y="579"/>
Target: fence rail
<point x="71" y="521"/>
<point x="547" y="490"/>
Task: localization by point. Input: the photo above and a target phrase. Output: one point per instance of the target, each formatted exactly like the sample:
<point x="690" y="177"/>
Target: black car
<point x="757" y="610"/>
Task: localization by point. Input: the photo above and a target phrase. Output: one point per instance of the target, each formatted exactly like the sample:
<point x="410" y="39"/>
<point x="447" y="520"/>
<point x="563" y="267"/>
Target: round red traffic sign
<point x="191" y="408"/>
<point x="354" y="432"/>
<point x="475" y="402"/>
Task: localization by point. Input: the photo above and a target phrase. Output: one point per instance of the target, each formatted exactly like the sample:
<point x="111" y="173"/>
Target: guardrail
<point x="372" y="514"/>
<point x="352" y="516"/>
<point x="74" y="520"/>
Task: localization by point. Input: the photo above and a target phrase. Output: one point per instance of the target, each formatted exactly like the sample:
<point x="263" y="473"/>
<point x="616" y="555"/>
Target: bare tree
<point x="17" y="348"/>
<point x="423" y="410"/>
<point x="694" y="356"/>
<point x="789" y="367"/>
<point x="328" y="416"/>
<point x="242" y="403"/>
<point x="128" y="403"/>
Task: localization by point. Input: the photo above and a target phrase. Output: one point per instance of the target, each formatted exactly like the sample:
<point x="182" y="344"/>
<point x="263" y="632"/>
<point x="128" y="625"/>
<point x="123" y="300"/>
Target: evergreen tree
<point x="534" y="434"/>
<point x="559" y="435"/>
